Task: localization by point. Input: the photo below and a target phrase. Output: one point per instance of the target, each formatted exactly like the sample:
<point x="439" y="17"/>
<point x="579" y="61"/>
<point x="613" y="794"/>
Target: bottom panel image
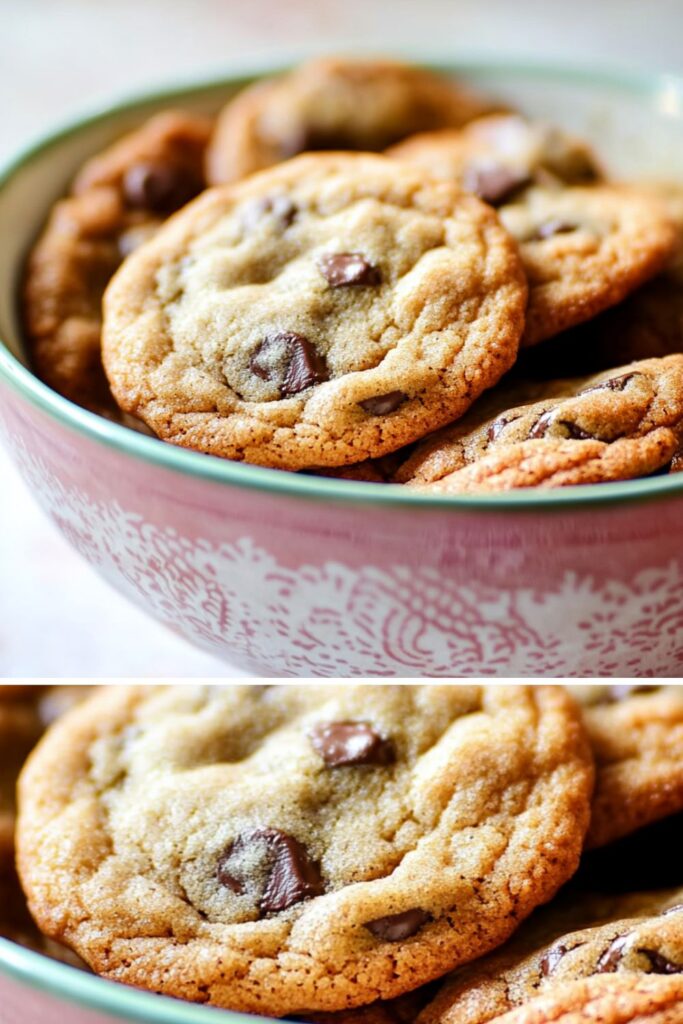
<point x="380" y="854"/>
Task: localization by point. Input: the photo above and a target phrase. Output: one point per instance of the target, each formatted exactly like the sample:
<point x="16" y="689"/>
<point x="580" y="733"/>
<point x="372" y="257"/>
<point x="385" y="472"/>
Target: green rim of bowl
<point x="194" y="464"/>
<point x="108" y="997"/>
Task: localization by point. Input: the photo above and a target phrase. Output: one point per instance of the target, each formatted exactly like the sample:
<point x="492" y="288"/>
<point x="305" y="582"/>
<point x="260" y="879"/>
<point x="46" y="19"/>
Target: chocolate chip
<point x="613" y="955"/>
<point x="550" y="228"/>
<point x="290" y="361"/>
<point x="380" y="405"/>
<point x="660" y="964"/>
<point x="546" y="421"/>
<point x="341" y="744"/>
<point x="494" y="183"/>
<point x="552" y="958"/>
<point x="496" y="428"/>
<point x="278" y="208"/>
<point x="396" y="927"/>
<point x="613" y="384"/>
<point x="161" y="187"/>
<point x="347" y="268"/>
<point x="290" y="875"/>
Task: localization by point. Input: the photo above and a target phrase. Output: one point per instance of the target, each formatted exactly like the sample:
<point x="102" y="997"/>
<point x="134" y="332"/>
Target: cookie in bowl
<point x="327" y="310"/>
<point x="291" y="849"/>
<point x="585" y="243"/>
<point x="333" y="103"/>
<point x="631" y="937"/>
<point x="612" y="426"/>
<point x="118" y="199"/>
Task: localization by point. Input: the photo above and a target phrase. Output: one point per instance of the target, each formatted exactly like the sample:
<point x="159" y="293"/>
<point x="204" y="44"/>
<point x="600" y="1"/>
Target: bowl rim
<point x="42" y="973"/>
<point x="643" y="83"/>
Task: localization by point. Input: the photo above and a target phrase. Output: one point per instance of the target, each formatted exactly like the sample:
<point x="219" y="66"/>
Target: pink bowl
<point x="293" y="575"/>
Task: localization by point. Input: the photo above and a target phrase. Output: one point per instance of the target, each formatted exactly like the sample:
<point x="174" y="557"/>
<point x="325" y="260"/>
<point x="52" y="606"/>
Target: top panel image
<point x="358" y="366"/>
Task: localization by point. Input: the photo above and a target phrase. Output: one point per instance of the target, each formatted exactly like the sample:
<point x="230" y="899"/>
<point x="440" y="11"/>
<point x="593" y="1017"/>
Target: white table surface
<point x="59" y="57"/>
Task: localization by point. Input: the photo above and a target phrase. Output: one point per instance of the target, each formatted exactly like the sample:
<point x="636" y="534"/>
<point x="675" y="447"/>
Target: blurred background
<point x="63" y="57"/>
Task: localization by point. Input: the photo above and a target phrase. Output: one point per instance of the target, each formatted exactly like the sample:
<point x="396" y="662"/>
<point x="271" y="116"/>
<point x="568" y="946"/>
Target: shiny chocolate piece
<point x="660" y="964"/>
<point x="498" y="426"/>
<point x="160" y="187"/>
<point x="290" y="360"/>
<point x="613" y="384"/>
<point x="396" y="927"/>
<point x="613" y="955"/>
<point x="494" y="183"/>
<point x="547" y="420"/>
<point x="292" y="877"/>
<point x="380" y="405"/>
<point x="344" y="744"/>
<point x="551" y="959"/>
<point x="348" y="268"/>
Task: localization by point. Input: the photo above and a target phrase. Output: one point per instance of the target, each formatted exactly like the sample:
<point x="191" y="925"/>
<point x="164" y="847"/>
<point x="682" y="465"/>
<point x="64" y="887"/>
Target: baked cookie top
<point x="498" y="155"/>
<point x="332" y="103"/>
<point x="279" y="849"/>
<point x="118" y="199"/>
<point x="637" y="934"/>
<point x="624" y="1000"/>
<point x="614" y="425"/>
<point x="636" y="731"/>
<point x="327" y="310"/>
<point x="584" y="247"/>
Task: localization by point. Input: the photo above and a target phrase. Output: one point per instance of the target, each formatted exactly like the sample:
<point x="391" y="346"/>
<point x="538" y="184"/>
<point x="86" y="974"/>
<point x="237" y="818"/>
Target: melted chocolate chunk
<point x="291" y="875"/>
<point x="544" y="422"/>
<point x="396" y="927"/>
<point x="160" y="187"/>
<point x="660" y="964"/>
<point x="552" y="958"/>
<point x="613" y="384"/>
<point x="494" y="183"/>
<point x="341" y="744"/>
<point x="380" y="405"/>
<point x="347" y="268"/>
<point x="613" y="955"/>
<point x="550" y="228"/>
<point x="498" y="426"/>
<point x="290" y="361"/>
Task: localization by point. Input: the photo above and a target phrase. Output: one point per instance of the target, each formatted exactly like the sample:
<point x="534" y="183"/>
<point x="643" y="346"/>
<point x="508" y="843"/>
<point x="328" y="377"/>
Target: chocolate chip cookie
<point x="332" y="103"/>
<point x="327" y="310"/>
<point x="635" y="934"/>
<point x="118" y="199"/>
<point x="624" y="1000"/>
<point x="282" y="849"/>
<point x="584" y="248"/>
<point x="499" y="155"/>
<point x="617" y="425"/>
<point x="636" y="732"/>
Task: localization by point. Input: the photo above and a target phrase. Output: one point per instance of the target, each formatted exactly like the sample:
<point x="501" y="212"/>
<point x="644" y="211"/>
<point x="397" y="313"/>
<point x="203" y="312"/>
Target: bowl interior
<point x="634" y="121"/>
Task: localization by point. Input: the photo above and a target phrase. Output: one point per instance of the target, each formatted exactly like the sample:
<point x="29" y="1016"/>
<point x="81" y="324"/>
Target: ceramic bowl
<point x="37" y="990"/>
<point x="287" y="574"/>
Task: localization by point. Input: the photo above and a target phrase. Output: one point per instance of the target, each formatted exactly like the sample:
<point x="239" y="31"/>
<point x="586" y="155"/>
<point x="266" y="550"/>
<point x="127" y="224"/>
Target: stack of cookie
<point x="343" y="311"/>
<point x="364" y="853"/>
